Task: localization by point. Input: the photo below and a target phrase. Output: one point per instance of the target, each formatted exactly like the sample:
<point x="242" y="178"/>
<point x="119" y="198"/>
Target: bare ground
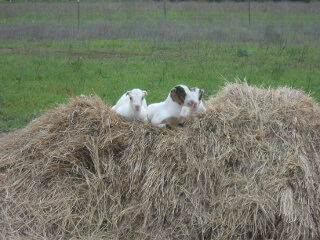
<point x="90" y="53"/>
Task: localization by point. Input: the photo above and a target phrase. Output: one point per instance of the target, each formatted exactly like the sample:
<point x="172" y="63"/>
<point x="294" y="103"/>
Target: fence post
<point x="249" y="8"/>
<point x="165" y="11"/>
<point x="78" y="13"/>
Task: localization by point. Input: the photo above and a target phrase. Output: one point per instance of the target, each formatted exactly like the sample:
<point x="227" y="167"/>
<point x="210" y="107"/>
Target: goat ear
<point x="202" y="91"/>
<point x="145" y="93"/>
<point x="127" y="93"/>
<point x="173" y="90"/>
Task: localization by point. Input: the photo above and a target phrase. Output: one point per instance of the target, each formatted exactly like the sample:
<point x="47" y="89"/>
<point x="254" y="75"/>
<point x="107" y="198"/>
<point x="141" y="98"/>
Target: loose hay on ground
<point x="247" y="168"/>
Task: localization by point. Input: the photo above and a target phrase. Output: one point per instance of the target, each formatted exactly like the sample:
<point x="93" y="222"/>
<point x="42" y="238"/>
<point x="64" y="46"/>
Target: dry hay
<point x="247" y="168"/>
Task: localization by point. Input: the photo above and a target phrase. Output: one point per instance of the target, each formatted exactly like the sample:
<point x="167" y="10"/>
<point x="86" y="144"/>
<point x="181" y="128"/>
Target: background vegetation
<point x="46" y="55"/>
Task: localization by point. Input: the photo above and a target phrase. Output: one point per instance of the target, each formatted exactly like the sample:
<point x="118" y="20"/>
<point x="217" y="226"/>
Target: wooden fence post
<point x="165" y="11"/>
<point x="249" y="8"/>
<point x="78" y="13"/>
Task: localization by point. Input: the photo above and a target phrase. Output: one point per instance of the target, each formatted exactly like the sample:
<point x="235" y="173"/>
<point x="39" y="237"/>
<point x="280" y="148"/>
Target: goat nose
<point x="192" y="103"/>
<point x="137" y="107"/>
<point x="195" y="104"/>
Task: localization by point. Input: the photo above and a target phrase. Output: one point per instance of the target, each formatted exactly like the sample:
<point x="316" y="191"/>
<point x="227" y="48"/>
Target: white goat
<point x="168" y="112"/>
<point x="132" y="105"/>
<point x="197" y="107"/>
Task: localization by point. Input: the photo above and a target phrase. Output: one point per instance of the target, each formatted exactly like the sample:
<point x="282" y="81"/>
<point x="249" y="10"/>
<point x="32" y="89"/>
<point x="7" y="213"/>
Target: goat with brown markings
<point x="168" y="112"/>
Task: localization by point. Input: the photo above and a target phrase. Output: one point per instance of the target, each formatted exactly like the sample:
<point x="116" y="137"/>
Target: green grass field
<point x="199" y="47"/>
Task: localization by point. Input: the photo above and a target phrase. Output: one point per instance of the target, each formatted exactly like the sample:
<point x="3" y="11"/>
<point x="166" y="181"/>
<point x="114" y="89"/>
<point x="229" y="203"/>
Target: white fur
<point x="197" y="107"/>
<point x="132" y="105"/>
<point x="169" y="109"/>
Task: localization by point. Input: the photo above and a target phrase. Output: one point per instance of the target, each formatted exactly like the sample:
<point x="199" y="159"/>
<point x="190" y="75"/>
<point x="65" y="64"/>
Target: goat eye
<point x="131" y="98"/>
<point x="142" y="98"/>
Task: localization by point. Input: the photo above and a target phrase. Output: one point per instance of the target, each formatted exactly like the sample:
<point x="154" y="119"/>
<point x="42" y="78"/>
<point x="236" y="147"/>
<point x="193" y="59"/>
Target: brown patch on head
<point x="178" y="95"/>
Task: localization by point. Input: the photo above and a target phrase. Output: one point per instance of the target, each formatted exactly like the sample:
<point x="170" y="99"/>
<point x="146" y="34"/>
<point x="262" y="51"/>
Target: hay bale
<point x="247" y="168"/>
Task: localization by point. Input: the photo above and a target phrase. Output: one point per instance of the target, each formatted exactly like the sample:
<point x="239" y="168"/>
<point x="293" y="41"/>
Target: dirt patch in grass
<point x="7" y="50"/>
<point x="90" y="54"/>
